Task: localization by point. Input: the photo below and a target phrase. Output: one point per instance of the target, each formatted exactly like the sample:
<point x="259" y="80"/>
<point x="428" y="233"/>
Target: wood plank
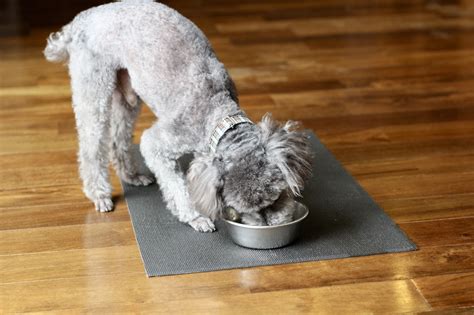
<point x="116" y="230"/>
<point x="93" y="261"/>
<point x="125" y="293"/>
<point x="441" y="232"/>
<point x="42" y="196"/>
<point x="397" y="151"/>
<point x="392" y="101"/>
<point x="32" y="176"/>
<point x="451" y="311"/>
<point x="347" y="102"/>
<point x="113" y="259"/>
<point x="39" y="159"/>
<point x="54" y="194"/>
<point x="411" y="166"/>
<point x="62" y="238"/>
<point x="429" y="207"/>
<point x="448" y="291"/>
<point x="437" y="260"/>
<point x="36" y="143"/>
<point x="61" y="213"/>
<point x="409" y="186"/>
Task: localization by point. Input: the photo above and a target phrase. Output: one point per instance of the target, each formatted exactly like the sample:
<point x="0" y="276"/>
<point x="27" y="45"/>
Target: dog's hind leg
<point x="93" y="83"/>
<point x="125" y="110"/>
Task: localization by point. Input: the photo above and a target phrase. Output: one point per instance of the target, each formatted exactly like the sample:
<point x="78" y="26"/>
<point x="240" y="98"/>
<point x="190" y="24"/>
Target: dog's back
<point x="132" y="29"/>
<point x="168" y="58"/>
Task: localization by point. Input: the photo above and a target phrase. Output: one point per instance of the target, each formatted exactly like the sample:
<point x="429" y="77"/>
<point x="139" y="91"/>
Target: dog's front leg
<point x="162" y="159"/>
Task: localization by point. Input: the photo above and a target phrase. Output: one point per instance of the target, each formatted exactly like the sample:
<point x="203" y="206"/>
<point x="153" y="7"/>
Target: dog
<point x="121" y="53"/>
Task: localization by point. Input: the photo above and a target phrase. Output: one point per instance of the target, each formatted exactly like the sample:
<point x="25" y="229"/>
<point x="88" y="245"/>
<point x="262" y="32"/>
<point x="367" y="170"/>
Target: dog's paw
<point x="202" y="224"/>
<point x="139" y="179"/>
<point x="104" y="204"/>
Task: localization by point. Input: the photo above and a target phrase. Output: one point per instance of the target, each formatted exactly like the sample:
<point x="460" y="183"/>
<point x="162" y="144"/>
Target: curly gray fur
<point x="124" y="52"/>
<point x="253" y="166"/>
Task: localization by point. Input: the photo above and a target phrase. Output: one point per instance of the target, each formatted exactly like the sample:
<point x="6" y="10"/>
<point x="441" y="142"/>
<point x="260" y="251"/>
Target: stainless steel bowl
<point x="267" y="237"/>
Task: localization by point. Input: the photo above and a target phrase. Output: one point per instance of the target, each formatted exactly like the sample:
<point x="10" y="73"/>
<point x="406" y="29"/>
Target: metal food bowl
<point x="267" y="237"/>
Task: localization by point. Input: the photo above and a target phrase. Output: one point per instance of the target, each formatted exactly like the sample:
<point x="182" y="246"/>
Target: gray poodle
<point x="124" y="52"/>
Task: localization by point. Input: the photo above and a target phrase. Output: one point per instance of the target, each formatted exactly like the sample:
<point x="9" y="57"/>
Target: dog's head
<point x="249" y="178"/>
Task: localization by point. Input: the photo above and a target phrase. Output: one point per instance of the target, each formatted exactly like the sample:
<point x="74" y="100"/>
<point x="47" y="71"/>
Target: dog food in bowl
<point x="265" y="236"/>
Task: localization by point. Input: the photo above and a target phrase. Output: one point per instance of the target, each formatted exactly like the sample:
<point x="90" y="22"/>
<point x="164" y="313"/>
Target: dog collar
<point x="225" y="124"/>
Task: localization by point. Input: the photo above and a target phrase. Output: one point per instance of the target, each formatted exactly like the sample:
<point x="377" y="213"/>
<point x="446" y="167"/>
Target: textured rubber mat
<point x="344" y="221"/>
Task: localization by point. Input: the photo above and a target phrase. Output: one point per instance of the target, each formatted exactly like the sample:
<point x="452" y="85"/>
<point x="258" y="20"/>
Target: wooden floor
<point x="387" y="85"/>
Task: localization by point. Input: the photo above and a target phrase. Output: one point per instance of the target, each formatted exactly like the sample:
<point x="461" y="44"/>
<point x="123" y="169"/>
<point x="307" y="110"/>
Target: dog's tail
<point x="57" y="48"/>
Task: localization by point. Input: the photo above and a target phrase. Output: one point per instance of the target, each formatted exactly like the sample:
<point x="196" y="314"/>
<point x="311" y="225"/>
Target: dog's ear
<point x="289" y="149"/>
<point x="204" y="184"/>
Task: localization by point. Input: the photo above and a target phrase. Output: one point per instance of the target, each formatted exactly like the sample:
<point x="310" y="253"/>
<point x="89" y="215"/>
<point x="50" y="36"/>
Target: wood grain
<point x="386" y="85"/>
<point x="447" y="290"/>
<point x="63" y="238"/>
<point x="126" y="293"/>
<point x="54" y="263"/>
<point x="441" y="232"/>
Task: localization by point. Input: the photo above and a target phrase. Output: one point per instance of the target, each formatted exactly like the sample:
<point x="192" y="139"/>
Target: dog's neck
<point x="223" y="105"/>
<point x="225" y="125"/>
<point x="238" y="140"/>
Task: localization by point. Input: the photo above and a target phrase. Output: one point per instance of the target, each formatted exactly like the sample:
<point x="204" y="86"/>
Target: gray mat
<point x="344" y="221"/>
